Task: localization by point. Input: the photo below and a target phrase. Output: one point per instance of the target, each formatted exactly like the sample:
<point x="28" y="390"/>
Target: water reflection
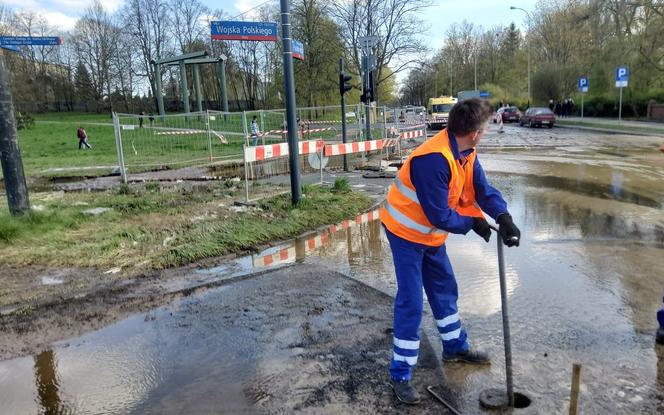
<point x="48" y="385"/>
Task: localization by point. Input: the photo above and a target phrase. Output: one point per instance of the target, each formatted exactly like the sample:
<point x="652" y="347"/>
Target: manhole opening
<point x="521" y="401"/>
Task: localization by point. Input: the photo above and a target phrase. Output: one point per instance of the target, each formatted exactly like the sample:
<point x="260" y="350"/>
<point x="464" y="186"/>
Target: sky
<point x="437" y="19"/>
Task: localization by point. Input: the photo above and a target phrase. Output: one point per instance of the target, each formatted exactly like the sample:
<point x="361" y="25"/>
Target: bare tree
<point x="395" y="22"/>
<point x="188" y="18"/>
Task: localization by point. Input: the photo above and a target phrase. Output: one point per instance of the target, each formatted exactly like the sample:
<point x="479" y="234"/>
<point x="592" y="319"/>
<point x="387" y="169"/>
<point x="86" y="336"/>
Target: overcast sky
<point x="442" y="13"/>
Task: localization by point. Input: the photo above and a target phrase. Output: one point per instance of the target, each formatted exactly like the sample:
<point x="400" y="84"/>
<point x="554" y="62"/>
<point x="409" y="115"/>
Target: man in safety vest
<point x="439" y="190"/>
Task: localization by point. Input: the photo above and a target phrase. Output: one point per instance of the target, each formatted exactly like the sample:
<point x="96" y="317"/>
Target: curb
<point x="610" y="131"/>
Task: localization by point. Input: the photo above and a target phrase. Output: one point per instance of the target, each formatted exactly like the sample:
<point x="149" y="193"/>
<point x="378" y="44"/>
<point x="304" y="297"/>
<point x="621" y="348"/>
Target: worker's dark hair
<point x="469" y="115"/>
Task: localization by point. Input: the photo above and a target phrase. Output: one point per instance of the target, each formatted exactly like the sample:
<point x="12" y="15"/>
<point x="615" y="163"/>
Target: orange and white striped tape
<point x="390" y="142"/>
<point x="412" y="134"/>
<point x="181" y="132"/>
<point x="355" y="147"/>
<point x="288" y="254"/>
<point x="315" y="130"/>
<point x="282" y="256"/>
<point x="270" y="151"/>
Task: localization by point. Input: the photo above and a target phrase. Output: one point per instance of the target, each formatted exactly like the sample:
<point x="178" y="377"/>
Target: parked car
<point x="509" y="114"/>
<point x="538" y="116"/>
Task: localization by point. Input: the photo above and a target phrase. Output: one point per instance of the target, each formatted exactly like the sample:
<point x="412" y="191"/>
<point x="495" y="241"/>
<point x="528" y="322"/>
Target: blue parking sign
<point x="622" y="76"/>
<point x="583" y="84"/>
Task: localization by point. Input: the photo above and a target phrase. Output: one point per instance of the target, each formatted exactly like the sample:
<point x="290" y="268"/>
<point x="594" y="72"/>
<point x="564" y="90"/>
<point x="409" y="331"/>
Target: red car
<point x="509" y="114"/>
<point x="538" y="116"/>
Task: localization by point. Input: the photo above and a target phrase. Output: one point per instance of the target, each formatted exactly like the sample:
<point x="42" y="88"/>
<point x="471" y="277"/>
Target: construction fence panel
<point x="162" y="142"/>
<point x="267" y="168"/>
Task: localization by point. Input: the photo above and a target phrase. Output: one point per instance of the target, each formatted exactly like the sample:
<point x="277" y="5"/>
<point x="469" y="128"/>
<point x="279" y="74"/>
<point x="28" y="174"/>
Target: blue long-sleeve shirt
<point x="430" y="174"/>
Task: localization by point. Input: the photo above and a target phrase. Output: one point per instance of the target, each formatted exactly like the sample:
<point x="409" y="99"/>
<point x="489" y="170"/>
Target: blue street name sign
<point x="583" y="84"/>
<point x="30" y="40"/>
<point x="298" y="50"/>
<point x="622" y="76"/>
<point x="256" y="31"/>
<point x="12" y="48"/>
<point x="484" y="94"/>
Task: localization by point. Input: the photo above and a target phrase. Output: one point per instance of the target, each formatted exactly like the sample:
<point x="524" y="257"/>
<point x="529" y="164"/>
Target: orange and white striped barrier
<point x="282" y="256"/>
<point x="390" y="142"/>
<point x="354" y="147"/>
<point x="412" y="134"/>
<point x="288" y="254"/>
<point x="270" y="151"/>
<point x="321" y="122"/>
<point x="315" y="130"/>
<point x="181" y="132"/>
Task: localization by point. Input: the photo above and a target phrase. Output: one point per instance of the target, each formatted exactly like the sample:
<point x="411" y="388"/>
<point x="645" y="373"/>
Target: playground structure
<point x="196" y="59"/>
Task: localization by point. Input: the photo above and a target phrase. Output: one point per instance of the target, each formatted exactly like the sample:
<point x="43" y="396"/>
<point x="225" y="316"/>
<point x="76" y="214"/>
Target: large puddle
<point x="584" y="287"/>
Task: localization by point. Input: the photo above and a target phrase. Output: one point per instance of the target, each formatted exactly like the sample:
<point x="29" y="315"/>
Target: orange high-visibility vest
<point x="402" y="213"/>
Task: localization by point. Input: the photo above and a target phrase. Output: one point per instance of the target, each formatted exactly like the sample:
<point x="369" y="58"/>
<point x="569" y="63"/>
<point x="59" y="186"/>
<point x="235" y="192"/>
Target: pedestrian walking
<point x="82" y="138"/>
<point x="140" y="119"/>
<point x="551" y="104"/>
<point x="570" y="107"/>
<point x="151" y="118"/>
<point x="499" y="120"/>
<point x="558" y="109"/>
<point x="255" y="131"/>
<point x="439" y="190"/>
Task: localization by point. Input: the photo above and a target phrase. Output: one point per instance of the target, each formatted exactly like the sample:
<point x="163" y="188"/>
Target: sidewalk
<point x="612" y="125"/>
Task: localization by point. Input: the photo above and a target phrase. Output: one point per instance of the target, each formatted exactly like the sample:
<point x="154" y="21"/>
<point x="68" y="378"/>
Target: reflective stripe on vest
<point x="409" y="223"/>
<point x="406" y="191"/>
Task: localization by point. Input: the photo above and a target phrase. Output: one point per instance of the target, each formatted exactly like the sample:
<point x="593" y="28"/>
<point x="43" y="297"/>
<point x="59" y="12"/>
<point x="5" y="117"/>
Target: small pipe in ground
<point x="574" y="394"/>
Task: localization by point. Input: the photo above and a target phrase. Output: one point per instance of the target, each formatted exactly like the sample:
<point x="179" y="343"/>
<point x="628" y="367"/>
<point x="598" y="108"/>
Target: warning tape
<point x="181" y="132"/>
<point x="269" y="151"/>
<point x="412" y="134"/>
<point x="288" y="254"/>
<point x="390" y="142"/>
<point x="354" y="147"/>
<point x="321" y="122"/>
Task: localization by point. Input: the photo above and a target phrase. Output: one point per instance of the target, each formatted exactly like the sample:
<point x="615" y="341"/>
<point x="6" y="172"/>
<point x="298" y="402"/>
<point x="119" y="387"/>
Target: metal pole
<point x="368" y="101"/>
<point x="222" y="86"/>
<point x="209" y="134"/>
<point x="157" y="86"/>
<point x="343" y="116"/>
<point x="582" y="105"/>
<point x="246" y="173"/>
<point x="184" y="92"/>
<point x="244" y="125"/>
<point x="10" y="153"/>
<point x="118" y="148"/>
<point x="289" y="84"/>
<point x="620" y="106"/>
<point x="529" y="97"/>
<point x="197" y="88"/>
<point x="475" y="67"/>
<point x="506" y="322"/>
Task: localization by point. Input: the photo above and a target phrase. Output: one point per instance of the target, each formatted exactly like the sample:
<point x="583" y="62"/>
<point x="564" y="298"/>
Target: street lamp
<point x="529" y="20"/>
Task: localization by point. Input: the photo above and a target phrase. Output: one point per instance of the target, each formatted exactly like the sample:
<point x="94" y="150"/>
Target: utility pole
<point x="10" y="154"/>
<point x="530" y="19"/>
<point x="293" y="148"/>
<point x="367" y="70"/>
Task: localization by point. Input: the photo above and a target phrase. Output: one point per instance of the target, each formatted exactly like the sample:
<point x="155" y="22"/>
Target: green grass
<point x="51" y="149"/>
<point x="158" y="227"/>
<point x="612" y="126"/>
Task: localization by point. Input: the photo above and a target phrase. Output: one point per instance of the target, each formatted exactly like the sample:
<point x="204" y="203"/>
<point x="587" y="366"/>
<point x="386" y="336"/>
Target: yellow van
<point x="438" y="110"/>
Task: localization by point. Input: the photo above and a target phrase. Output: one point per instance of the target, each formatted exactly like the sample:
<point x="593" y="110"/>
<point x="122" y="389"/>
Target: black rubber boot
<point x="405" y="392"/>
<point x="660" y="336"/>
<point x="469" y="356"/>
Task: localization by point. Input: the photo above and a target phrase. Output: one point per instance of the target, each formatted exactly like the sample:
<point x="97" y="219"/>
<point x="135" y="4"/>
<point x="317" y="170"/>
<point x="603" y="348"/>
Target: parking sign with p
<point x="583" y="84"/>
<point x="622" y="76"/>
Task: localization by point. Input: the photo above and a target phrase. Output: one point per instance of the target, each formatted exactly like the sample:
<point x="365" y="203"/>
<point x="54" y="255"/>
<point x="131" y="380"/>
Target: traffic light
<point x="343" y="83"/>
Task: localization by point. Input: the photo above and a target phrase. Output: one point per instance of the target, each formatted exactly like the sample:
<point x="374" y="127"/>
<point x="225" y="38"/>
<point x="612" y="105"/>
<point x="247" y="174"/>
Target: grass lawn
<point x="155" y="228"/>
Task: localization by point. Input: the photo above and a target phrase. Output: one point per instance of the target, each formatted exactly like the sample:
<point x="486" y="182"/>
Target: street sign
<point x="622" y="76"/>
<point x="298" y="50"/>
<point x="30" y="40"/>
<point x="484" y="94"/>
<point x="232" y="30"/>
<point x="11" y="48"/>
<point x="583" y="84"/>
